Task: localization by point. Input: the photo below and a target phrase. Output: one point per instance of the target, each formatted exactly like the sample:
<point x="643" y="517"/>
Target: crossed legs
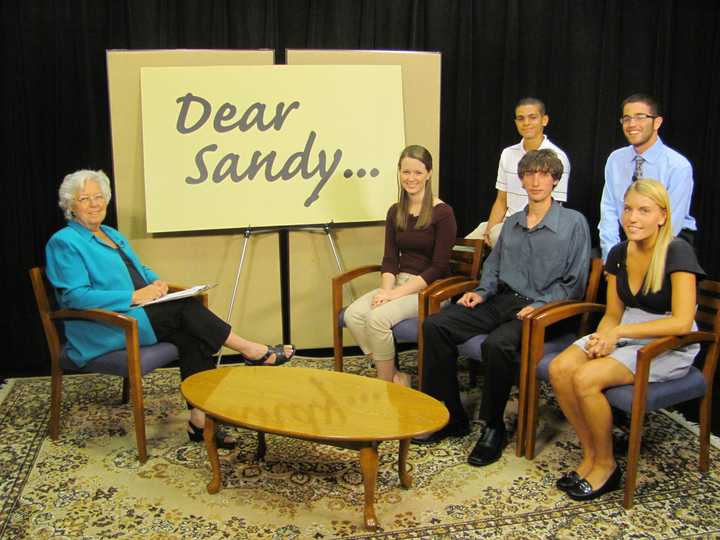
<point x="578" y="383"/>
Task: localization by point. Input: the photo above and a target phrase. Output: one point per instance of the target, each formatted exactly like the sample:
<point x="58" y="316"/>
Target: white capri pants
<point x="372" y="327"/>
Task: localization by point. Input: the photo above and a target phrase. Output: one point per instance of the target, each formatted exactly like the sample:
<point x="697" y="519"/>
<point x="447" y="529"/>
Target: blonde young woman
<point x="651" y="291"/>
<point x="419" y="234"/>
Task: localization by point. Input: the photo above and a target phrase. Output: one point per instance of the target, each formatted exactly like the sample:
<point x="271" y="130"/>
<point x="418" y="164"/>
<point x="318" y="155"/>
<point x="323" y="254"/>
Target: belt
<point x="503" y="288"/>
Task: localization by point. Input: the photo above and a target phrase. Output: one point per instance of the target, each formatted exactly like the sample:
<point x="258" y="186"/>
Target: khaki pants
<point x="372" y="327"/>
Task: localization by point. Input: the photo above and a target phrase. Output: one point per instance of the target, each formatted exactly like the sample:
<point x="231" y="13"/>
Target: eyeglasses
<point x="86" y="200"/>
<point x="636" y="117"/>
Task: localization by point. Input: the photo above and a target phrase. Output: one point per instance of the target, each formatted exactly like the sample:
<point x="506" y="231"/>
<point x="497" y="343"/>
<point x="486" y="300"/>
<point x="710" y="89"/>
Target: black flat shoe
<point x="583" y="491"/>
<point x="567" y="481"/>
<point x="196" y="435"/>
<point x="451" y="430"/>
<point x="489" y="447"/>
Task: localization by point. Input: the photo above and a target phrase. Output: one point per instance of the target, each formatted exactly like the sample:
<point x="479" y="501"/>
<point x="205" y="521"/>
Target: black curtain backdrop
<point x="582" y="57"/>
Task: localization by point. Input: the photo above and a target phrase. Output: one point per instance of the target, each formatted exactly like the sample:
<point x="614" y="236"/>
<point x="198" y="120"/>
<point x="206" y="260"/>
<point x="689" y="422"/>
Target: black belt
<point x="504" y="289"/>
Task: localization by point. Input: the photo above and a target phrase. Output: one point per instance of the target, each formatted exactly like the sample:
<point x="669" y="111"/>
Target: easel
<point x="284" y="269"/>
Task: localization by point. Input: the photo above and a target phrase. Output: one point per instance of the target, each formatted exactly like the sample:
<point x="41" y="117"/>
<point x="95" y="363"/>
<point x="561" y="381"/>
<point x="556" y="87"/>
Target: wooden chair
<point x="640" y="397"/>
<point x="132" y="363"/>
<point x="471" y="349"/>
<point x="465" y="262"/>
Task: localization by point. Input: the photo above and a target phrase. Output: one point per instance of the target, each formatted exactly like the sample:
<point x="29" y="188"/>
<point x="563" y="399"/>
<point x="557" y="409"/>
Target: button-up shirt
<point x="547" y="262"/>
<point x="661" y="163"/>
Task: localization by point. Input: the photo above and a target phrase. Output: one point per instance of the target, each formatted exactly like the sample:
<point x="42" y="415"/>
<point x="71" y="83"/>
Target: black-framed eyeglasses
<point x="636" y="117"/>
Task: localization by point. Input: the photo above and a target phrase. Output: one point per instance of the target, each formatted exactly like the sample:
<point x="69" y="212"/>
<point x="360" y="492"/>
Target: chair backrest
<point x="466" y="257"/>
<point x="46" y="304"/>
<point x="708" y="300"/>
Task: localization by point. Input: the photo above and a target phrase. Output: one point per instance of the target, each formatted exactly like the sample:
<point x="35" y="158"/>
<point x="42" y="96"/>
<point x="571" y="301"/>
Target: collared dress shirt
<point x="509" y="181"/>
<point x="87" y="273"/>
<point x="546" y="263"/>
<point x="661" y="163"/>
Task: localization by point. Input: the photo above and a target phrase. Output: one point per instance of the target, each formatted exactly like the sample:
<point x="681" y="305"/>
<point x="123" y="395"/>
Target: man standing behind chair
<point x="645" y="157"/>
<point x="542" y="255"/>
<point x="530" y="120"/>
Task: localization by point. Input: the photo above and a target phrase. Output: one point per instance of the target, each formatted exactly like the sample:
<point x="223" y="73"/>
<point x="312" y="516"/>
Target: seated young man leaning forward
<point x="542" y="255"/>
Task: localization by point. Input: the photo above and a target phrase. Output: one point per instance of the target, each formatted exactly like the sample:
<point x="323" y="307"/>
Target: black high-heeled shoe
<point x="196" y="435"/>
<point x="583" y="491"/>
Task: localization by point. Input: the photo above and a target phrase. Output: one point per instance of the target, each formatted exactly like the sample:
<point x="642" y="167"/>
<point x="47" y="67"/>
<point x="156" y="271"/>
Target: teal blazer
<point x="87" y="273"/>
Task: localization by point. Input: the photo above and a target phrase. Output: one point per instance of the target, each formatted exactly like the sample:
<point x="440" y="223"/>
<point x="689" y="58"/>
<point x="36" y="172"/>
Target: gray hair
<point x="74" y="182"/>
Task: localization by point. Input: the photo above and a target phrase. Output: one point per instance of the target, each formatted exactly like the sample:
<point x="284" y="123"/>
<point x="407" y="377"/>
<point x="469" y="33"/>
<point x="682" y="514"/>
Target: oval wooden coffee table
<point x="327" y="407"/>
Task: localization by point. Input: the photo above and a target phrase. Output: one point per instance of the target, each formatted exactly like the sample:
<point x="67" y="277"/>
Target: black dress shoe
<point x="583" y="491"/>
<point x="567" y="481"/>
<point x="489" y="448"/>
<point x="451" y="430"/>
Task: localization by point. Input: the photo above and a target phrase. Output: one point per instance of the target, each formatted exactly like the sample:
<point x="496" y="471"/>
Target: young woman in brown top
<point x="419" y="234"/>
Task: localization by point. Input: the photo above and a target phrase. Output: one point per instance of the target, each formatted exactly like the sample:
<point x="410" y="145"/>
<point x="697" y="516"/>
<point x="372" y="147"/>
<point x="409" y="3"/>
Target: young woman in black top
<point x="651" y="280"/>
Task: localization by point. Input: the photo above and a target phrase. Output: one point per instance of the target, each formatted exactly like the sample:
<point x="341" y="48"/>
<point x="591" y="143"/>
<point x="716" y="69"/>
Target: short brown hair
<point x="647" y="99"/>
<point x="544" y="160"/>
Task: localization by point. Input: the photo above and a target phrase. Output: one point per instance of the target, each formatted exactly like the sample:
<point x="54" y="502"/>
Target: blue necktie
<point x="638" y="173"/>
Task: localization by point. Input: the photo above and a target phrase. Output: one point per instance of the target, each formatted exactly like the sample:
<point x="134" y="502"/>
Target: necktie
<point x="638" y="173"/>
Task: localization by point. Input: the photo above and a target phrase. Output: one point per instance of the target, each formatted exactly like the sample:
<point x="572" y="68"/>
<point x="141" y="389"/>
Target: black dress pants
<point x="195" y="330"/>
<point x="456" y="324"/>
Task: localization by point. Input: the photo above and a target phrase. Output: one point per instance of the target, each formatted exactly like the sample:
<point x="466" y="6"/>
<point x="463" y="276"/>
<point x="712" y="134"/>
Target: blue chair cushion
<point x="406" y="331"/>
<point x="471" y="348"/>
<point x="661" y="394"/>
<point x="115" y="363"/>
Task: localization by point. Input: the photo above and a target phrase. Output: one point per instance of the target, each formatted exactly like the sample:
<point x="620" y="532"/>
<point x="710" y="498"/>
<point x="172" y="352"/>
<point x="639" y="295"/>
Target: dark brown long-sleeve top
<point x="422" y="252"/>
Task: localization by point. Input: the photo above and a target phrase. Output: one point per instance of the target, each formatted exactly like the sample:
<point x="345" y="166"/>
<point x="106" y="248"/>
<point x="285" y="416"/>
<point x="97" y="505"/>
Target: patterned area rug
<point x="89" y="484"/>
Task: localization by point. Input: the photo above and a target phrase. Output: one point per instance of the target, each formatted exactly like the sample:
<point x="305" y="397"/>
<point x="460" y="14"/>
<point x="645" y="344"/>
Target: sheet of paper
<point x="185" y="293"/>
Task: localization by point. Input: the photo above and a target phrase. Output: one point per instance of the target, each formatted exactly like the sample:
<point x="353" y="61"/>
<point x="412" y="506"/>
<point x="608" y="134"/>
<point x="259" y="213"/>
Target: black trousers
<point x="195" y="330"/>
<point x="455" y="325"/>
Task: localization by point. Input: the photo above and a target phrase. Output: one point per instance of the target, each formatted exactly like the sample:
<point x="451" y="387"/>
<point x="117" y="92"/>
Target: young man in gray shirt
<point x="542" y="255"/>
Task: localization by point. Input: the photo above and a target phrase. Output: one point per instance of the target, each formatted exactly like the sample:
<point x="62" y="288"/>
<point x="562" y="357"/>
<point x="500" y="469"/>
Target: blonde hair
<point x="656" y="192"/>
<point x="401" y="215"/>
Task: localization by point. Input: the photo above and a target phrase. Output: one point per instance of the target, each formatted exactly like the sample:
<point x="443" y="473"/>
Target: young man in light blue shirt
<point x="646" y="157"/>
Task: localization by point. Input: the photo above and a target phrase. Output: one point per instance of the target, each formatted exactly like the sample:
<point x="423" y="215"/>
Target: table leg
<point x="209" y="436"/>
<point x="405" y="478"/>
<point x="369" y="468"/>
<point x="261" y="447"/>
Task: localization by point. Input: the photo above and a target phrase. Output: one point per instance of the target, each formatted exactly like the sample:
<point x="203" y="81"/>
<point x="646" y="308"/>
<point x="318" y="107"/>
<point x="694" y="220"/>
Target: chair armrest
<point x="658" y="346"/>
<point x="127" y="324"/>
<point x="424" y="295"/>
<point x="550" y="314"/>
<point x="341" y="279"/>
<point x="554" y="312"/>
<point x="444" y="293"/>
<point x="103" y="316"/>
<point x="440" y="284"/>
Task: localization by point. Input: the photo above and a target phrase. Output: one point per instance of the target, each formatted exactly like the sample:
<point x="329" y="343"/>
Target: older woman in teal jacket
<point x="92" y="265"/>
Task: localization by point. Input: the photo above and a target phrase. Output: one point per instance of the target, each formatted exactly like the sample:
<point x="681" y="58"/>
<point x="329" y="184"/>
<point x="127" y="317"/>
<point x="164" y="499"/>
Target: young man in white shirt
<point x="530" y="119"/>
